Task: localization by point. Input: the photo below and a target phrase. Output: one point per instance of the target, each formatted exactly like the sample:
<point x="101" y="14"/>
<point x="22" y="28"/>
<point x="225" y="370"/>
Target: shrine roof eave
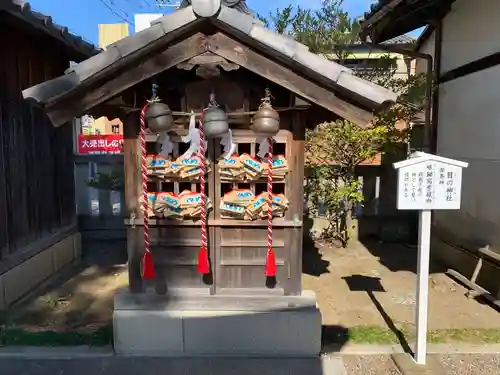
<point x="282" y="49"/>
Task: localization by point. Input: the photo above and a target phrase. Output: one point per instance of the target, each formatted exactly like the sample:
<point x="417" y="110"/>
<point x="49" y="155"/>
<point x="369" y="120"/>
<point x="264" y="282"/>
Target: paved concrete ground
<point x="454" y="364"/>
<point x="157" y="366"/>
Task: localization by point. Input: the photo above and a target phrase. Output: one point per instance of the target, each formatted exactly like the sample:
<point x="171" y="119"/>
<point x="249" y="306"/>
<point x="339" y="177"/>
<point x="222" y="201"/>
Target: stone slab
<point x="406" y="364"/>
<point x="274" y="333"/>
<point x="148" y="332"/>
<point x="208" y="331"/>
<point x="199" y="300"/>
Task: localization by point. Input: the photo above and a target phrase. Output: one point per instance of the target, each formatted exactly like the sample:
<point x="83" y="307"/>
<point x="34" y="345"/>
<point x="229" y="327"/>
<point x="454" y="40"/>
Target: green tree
<point x="340" y="147"/>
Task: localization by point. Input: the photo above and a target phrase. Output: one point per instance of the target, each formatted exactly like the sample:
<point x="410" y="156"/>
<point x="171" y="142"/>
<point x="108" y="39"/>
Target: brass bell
<point x="215" y="120"/>
<point x="159" y="117"/>
<point x="266" y="121"/>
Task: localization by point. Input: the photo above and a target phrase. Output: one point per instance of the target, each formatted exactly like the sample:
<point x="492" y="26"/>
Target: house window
<point x="115" y="129"/>
<point x="366" y="65"/>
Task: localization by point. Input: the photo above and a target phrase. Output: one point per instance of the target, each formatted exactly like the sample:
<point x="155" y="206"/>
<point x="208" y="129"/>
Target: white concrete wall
<point x="427" y="47"/>
<point x="469" y="130"/>
<point x="470" y="31"/>
<point x="469" y="120"/>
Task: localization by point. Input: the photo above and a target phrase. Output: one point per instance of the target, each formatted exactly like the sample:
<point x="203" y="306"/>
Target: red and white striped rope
<point x="270" y="200"/>
<point x="145" y="205"/>
<point x="202" y="182"/>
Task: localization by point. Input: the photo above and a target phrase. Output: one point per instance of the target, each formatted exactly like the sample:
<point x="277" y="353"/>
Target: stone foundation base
<point x="201" y="325"/>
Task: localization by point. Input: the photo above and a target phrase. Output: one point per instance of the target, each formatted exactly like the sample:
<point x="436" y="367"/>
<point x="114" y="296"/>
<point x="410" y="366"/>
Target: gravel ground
<point x="472" y="364"/>
<point x="370" y="365"/>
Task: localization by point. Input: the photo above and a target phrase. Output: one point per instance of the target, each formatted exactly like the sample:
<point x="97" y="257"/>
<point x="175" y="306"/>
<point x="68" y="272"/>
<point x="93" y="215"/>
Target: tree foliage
<point x="334" y="150"/>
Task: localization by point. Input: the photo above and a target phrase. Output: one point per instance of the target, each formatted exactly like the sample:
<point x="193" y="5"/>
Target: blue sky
<point x="83" y="16"/>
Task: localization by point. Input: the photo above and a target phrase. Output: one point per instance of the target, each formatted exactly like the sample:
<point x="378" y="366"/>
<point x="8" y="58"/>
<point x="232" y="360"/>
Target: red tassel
<point x="270" y="264"/>
<point x="148" y="268"/>
<point x="203" y="265"/>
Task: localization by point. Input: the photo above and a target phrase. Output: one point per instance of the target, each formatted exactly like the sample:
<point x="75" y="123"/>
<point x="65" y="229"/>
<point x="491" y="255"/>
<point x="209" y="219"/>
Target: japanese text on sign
<point x="429" y="185"/>
<point x="100" y="144"/>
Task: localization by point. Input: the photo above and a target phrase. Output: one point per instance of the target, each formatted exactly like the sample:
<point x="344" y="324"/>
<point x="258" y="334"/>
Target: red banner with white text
<point x="100" y="144"/>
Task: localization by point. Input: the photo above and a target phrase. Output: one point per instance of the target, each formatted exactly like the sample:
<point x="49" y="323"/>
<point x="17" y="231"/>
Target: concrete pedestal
<point x="233" y="325"/>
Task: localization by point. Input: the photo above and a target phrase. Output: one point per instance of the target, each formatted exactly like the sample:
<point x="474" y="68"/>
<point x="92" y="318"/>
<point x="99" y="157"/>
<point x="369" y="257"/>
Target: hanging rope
<point x="270" y="270"/>
<point x="148" y="269"/>
<point x="203" y="263"/>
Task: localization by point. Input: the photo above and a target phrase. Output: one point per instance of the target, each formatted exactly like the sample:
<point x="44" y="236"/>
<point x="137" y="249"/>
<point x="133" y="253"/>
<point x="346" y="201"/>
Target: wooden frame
<point x="230" y="49"/>
<point x="237" y="248"/>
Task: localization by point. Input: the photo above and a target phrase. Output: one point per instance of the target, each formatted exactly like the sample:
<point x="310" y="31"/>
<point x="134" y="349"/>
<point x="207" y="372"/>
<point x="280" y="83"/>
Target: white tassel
<point x="193" y="137"/>
<point x="227" y="142"/>
<point x="166" y="145"/>
<point x="263" y="147"/>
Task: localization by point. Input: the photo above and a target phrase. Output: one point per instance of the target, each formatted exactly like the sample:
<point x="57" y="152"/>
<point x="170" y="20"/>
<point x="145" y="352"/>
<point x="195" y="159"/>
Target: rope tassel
<point x="203" y="262"/>
<point x="270" y="270"/>
<point x="148" y="268"/>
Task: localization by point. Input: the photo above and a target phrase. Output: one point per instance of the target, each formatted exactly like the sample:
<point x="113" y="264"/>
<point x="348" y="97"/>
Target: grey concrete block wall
<point x="24" y="277"/>
<point x="27" y="276"/>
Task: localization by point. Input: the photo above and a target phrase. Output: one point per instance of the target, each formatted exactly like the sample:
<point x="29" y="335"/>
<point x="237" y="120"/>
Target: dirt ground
<point x="374" y="284"/>
<point x="370" y="284"/>
<point x="80" y="299"/>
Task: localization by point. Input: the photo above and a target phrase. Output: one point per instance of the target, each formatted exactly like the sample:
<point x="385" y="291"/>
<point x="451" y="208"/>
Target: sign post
<point x="427" y="182"/>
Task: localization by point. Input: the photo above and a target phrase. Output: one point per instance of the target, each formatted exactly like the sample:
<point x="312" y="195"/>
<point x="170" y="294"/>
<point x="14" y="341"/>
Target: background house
<point x="108" y="34"/>
<point x="460" y="36"/>
<point x="377" y="175"/>
<point x="38" y="228"/>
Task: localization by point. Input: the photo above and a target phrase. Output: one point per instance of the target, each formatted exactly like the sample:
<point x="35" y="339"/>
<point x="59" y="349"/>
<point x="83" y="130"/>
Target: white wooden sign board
<point x="429" y="182"/>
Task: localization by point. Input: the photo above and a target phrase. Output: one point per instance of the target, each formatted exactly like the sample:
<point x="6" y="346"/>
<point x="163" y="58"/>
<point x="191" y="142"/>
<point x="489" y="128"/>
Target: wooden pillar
<point x="295" y="158"/>
<point x="133" y="190"/>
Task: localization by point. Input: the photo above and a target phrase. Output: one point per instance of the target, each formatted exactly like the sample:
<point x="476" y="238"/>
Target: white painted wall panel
<point x="470" y="31"/>
<point x="469" y="130"/>
<point x="428" y="48"/>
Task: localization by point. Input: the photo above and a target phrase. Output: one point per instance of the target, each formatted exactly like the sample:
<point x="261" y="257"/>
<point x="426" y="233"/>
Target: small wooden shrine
<point x="201" y="93"/>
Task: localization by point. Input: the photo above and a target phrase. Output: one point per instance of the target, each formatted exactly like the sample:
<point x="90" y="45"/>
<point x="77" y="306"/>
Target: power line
<point x="116" y="13"/>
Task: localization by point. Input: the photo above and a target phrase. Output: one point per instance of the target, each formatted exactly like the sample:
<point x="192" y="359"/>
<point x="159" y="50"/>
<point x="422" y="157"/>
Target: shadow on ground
<point x="372" y="285"/>
<point x="79" y="298"/>
<point x="312" y="258"/>
<point x="398" y="256"/>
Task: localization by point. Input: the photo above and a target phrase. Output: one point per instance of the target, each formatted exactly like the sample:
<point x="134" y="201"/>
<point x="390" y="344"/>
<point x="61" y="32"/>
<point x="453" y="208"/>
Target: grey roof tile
<point x="130" y="44"/>
<point x="206" y="8"/>
<point x="49" y="89"/>
<point x="176" y="20"/>
<point x="96" y="63"/>
<point x="273" y="40"/>
<point x="320" y="64"/>
<point x="240" y="21"/>
<point x="363" y="88"/>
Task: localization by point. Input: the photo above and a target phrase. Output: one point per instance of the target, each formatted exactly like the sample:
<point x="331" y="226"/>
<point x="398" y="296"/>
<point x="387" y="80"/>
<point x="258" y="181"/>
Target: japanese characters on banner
<point x="429" y="184"/>
<point x="100" y="144"/>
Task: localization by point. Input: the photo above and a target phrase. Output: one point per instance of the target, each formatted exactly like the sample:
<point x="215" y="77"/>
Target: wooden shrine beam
<point x="238" y="53"/>
<point x="193" y="46"/>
